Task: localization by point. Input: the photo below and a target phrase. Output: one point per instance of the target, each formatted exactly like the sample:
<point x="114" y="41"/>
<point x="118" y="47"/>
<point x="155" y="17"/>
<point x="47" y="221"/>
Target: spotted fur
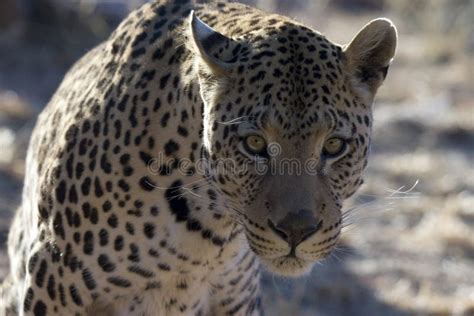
<point x="113" y="222"/>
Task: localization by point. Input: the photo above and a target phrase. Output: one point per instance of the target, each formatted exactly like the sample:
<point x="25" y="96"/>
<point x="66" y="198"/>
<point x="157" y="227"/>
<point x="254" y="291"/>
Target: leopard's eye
<point x="334" y="147"/>
<point x="255" y="145"/>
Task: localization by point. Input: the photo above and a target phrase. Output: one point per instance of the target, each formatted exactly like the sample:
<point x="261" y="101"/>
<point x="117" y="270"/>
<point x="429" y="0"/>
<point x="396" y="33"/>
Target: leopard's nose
<point x="296" y="227"/>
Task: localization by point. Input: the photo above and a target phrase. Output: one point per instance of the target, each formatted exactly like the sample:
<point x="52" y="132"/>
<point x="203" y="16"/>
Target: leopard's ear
<point x="370" y="52"/>
<point x="206" y="41"/>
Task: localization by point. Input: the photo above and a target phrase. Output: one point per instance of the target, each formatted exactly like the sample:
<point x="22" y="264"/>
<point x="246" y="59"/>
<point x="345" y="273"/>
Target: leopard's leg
<point x="51" y="286"/>
<point x="237" y="290"/>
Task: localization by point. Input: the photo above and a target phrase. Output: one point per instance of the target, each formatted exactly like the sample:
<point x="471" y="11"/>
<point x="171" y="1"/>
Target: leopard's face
<point x="285" y="159"/>
<point x="287" y="133"/>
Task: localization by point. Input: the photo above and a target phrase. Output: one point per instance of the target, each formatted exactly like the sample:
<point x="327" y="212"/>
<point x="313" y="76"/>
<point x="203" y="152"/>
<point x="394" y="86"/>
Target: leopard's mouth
<point x="289" y="265"/>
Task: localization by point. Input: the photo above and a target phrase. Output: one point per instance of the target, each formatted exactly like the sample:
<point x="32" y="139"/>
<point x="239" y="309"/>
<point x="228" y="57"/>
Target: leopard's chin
<point x="288" y="266"/>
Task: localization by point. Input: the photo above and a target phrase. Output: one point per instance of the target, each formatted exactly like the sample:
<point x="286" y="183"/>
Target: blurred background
<point x="408" y="248"/>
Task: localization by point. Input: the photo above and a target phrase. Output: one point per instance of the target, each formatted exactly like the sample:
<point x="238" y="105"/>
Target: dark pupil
<point x="333" y="147"/>
<point x="255" y="146"/>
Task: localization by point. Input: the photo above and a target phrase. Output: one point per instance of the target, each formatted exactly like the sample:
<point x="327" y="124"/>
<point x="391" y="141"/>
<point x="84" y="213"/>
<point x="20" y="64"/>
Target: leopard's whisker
<point x="238" y="120"/>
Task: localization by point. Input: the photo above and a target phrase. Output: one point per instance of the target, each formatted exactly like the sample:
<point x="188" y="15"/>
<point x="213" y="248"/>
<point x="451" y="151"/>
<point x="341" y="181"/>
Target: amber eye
<point x="255" y="145"/>
<point x="334" y="147"/>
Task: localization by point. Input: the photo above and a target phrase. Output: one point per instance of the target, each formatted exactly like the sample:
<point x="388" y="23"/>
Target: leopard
<point x="199" y="145"/>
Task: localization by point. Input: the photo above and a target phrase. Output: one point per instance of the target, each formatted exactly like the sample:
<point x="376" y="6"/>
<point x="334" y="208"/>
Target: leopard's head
<point x="287" y="129"/>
